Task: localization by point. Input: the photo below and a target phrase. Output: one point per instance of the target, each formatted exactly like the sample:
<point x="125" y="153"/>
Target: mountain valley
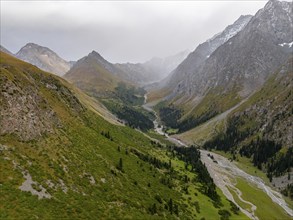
<point x="206" y="134"/>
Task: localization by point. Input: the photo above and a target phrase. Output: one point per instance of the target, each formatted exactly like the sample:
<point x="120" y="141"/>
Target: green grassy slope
<point x="84" y="165"/>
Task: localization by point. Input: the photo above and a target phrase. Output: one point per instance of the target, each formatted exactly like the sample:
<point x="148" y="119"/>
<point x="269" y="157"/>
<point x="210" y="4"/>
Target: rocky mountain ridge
<point x="235" y="69"/>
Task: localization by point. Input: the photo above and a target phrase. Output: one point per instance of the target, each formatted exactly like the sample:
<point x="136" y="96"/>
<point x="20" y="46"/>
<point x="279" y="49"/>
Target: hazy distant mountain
<point x="94" y="74"/>
<point x="135" y="72"/>
<point x="44" y="58"/>
<point x="164" y="66"/>
<point x="3" y="49"/>
<point x="153" y="70"/>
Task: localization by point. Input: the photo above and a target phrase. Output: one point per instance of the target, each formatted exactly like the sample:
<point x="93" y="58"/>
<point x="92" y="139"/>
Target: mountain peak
<point x="271" y="2"/>
<point x="31" y="45"/>
<point x="44" y="58"/>
<point x="285" y="5"/>
<point x="34" y="46"/>
<point x="95" y="54"/>
<point x="274" y="20"/>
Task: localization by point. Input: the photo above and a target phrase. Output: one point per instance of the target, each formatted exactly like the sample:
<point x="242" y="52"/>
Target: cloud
<point x="120" y="31"/>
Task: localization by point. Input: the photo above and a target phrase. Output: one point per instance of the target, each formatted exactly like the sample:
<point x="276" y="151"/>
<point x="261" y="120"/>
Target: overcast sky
<point x="121" y="31"/>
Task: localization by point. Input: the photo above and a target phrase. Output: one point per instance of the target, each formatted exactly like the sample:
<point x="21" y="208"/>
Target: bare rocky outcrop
<point x="27" y="100"/>
<point x="24" y="112"/>
<point x="33" y="187"/>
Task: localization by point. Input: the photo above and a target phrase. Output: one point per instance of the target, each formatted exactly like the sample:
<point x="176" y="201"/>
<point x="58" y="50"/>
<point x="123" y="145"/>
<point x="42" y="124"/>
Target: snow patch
<point x="286" y="44"/>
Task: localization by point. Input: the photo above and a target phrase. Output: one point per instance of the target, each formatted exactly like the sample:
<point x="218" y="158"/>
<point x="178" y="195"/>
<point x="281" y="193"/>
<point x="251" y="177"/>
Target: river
<point x="160" y="128"/>
<point x="224" y="173"/>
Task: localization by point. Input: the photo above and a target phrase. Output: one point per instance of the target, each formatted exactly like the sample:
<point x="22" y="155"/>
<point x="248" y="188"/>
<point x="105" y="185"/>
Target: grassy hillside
<point x="62" y="160"/>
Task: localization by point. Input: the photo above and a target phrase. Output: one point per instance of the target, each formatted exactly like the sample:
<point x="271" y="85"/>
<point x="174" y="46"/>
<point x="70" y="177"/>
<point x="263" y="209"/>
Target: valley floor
<point x="251" y="194"/>
<point x="228" y="177"/>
